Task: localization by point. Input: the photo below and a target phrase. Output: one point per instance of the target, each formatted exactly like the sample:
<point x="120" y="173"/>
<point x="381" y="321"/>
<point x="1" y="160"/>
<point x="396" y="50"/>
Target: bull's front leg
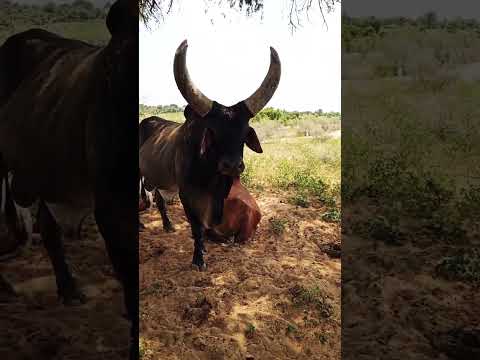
<point x="197" y="234"/>
<point x="52" y="237"/>
<point x="118" y="224"/>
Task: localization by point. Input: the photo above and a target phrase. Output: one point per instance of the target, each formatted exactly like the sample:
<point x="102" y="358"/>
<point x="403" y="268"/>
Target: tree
<point x="157" y="9"/>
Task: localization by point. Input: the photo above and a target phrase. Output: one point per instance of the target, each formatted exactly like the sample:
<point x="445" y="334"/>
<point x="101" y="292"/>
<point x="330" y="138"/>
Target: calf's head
<point x="225" y="129"/>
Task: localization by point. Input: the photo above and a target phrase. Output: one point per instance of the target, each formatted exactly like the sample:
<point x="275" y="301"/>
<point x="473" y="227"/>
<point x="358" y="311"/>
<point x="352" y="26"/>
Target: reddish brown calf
<point x="241" y="216"/>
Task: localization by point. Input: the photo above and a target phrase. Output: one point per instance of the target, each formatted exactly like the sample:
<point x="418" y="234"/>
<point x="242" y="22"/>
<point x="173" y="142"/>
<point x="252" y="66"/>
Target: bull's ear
<point x="252" y="141"/>
<point x="207" y="140"/>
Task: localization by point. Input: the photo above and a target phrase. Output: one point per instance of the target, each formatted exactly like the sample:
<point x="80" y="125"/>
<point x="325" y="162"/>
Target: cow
<point x="67" y="133"/>
<point x="241" y="216"/>
<point x="200" y="157"/>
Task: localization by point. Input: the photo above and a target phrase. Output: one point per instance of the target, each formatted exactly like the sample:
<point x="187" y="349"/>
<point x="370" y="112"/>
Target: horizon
<point x="266" y="107"/>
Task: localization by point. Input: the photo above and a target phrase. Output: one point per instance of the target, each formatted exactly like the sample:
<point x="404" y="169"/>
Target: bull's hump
<point x="166" y="132"/>
<point x="67" y="70"/>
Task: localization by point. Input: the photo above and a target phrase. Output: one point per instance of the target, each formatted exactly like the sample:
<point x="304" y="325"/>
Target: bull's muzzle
<point x="231" y="167"/>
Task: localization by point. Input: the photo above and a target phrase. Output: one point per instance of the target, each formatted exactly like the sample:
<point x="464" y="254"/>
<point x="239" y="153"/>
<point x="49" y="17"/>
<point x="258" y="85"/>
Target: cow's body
<point x="241" y="216"/>
<point x="66" y="126"/>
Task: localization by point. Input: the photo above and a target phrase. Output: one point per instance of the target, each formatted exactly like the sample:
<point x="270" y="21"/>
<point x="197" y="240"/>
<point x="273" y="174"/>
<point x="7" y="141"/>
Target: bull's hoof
<point x="72" y="296"/>
<point x="74" y="299"/>
<point x="201" y="268"/>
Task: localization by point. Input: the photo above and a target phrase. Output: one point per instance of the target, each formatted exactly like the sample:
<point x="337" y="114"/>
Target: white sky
<point x="228" y="57"/>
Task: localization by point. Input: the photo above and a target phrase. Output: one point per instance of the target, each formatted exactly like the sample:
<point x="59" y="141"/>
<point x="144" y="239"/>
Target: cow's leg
<point x="160" y="201"/>
<point x="51" y="234"/>
<point x="197" y="234"/>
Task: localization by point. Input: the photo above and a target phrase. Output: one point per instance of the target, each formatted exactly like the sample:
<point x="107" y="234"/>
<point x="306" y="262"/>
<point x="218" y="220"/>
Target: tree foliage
<point x="13" y="14"/>
<point x="154" y="10"/>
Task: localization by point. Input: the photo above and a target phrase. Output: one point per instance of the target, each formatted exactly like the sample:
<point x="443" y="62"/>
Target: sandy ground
<point x="36" y="326"/>
<point x="249" y="304"/>
<point x="395" y="306"/>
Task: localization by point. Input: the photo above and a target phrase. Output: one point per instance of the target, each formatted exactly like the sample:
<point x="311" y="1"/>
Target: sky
<point x="228" y="57"/>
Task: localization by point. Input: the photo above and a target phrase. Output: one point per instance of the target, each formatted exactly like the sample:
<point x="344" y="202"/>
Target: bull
<point x="201" y="157"/>
<point x="67" y="119"/>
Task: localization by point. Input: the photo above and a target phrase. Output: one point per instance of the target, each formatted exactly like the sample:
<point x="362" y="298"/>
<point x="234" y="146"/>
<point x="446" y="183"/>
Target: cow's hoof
<point x="200" y="268"/>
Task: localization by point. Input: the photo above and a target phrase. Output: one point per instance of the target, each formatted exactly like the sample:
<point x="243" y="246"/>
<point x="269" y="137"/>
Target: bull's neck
<point x="116" y="83"/>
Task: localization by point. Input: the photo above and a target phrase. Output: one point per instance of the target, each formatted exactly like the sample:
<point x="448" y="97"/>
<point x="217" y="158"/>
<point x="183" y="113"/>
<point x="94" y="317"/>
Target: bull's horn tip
<point x="274" y="53"/>
<point x="183" y="45"/>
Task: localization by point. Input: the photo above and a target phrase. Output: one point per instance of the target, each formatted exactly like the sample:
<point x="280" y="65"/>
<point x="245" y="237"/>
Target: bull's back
<point x="47" y="104"/>
<point x="22" y="54"/>
<point x="159" y="151"/>
<point x="148" y="126"/>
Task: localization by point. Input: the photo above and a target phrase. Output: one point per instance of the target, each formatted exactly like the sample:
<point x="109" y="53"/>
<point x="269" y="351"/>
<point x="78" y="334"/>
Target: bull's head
<point x="122" y="23"/>
<point x="225" y="128"/>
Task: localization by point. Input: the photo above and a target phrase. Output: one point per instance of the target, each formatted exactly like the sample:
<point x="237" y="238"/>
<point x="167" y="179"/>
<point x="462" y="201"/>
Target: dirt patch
<point x="396" y="305"/>
<point x="246" y="305"/>
<point x="36" y="326"/>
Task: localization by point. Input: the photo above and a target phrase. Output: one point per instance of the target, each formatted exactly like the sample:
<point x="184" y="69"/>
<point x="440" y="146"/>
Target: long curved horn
<point x="194" y="97"/>
<point x="264" y="93"/>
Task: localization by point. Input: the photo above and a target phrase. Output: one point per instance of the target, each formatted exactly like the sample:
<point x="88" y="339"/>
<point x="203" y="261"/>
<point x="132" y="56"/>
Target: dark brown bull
<point x="241" y="216"/>
<point x="200" y="158"/>
<point x="67" y="133"/>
